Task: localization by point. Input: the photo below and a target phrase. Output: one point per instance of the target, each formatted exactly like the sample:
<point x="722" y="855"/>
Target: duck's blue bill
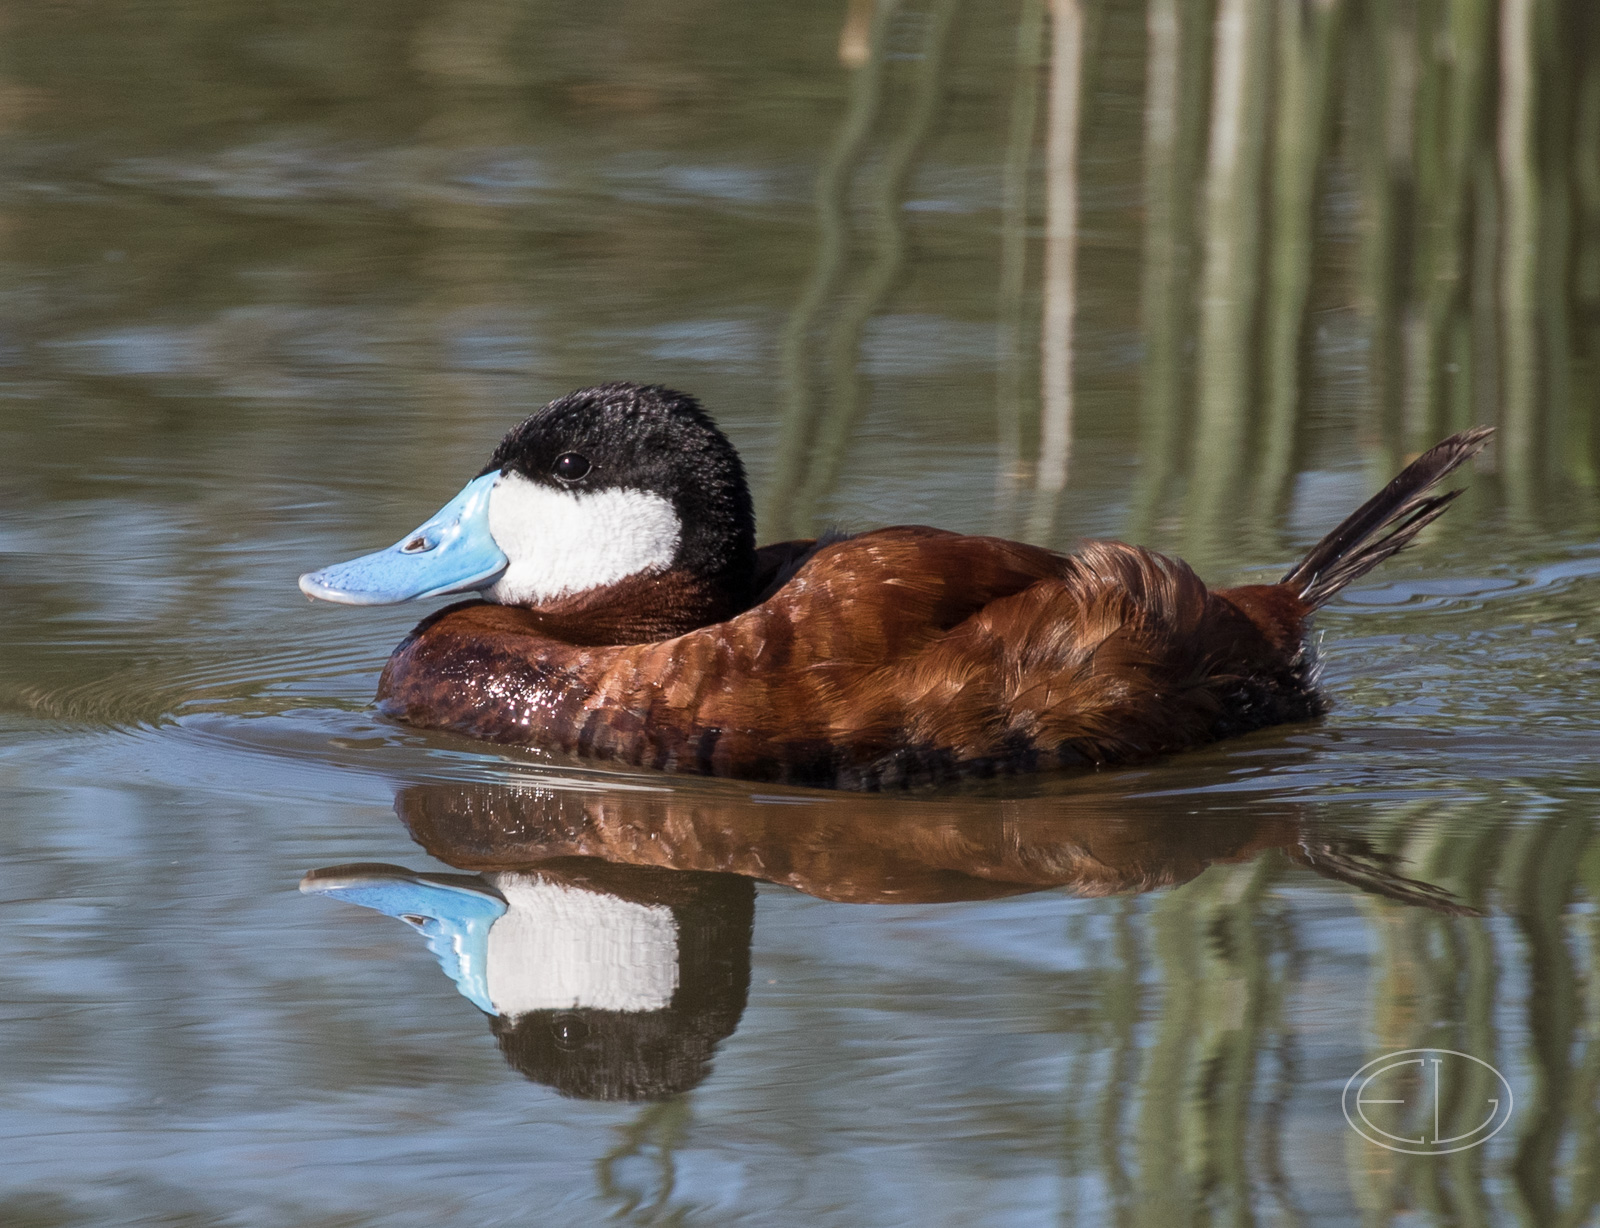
<point x="453" y="913"/>
<point x="452" y="553"/>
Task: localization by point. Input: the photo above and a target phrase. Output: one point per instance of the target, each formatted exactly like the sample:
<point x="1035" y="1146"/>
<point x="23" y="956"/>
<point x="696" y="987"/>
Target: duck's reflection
<point x="606" y="982"/>
<point x="869" y="850"/>
<point x="608" y="937"/>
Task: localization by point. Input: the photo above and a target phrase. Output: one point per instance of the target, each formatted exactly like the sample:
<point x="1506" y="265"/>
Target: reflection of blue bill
<point x="515" y="943"/>
<point x="453" y="912"/>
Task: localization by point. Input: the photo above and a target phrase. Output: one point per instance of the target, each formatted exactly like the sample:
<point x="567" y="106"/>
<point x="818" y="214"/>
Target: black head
<point x="609" y="443"/>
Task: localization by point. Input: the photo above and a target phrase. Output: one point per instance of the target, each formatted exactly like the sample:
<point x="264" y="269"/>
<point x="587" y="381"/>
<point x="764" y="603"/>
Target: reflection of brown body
<point x="912" y="656"/>
<point x="877" y="851"/>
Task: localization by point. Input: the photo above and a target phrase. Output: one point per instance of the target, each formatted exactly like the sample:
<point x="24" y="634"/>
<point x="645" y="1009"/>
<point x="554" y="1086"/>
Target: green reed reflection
<point x="816" y="434"/>
<point x="1467" y="253"/>
<point x="1214" y="1071"/>
<point x="887" y="231"/>
<point x="1016" y="410"/>
<point x="1177" y="64"/>
<point x="1230" y="274"/>
<point x="1307" y="41"/>
<point x="1432" y="970"/>
<point x="833" y="182"/>
<point x="648" y="1143"/>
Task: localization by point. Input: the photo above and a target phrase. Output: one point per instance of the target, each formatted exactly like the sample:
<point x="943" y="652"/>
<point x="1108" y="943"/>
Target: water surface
<point x="274" y="282"/>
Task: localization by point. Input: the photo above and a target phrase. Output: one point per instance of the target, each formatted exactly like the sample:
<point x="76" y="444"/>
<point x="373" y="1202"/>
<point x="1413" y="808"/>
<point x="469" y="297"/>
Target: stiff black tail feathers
<point x="1385" y="523"/>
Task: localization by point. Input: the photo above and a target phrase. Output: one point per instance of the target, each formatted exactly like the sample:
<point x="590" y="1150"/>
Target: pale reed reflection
<point x="1230" y="273"/>
<point x="1465" y="128"/>
<point x="1016" y="407"/>
<point x="1060" y="262"/>
<point x="1519" y="197"/>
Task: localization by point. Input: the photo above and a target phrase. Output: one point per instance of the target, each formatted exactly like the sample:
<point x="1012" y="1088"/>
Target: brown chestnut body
<point x="905" y="656"/>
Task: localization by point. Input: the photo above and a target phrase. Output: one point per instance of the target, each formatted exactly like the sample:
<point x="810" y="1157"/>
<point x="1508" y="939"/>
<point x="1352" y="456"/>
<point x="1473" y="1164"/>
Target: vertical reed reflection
<point x="1416" y="983"/>
<point x="1177" y="62"/>
<point x="1584" y="415"/>
<point x="1060" y="263"/>
<point x="1167" y="1086"/>
<point x="779" y="517"/>
<point x="1584" y="1091"/>
<point x="1013" y="309"/>
<point x="1437" y="983"/>
<point x="1214" y="1078"/>
<point x="1520" y="244"/>
<point x="1378" y="101"/>
<point x="1461" y="124"/>
<point x="1287" y="1074"/>
<point x="1229" y="280"/>
<point x="817" y="429"/>
<point x="1468" y="129"/>
<point x="1449" y="125"/>
<point x="1540" y="894"/>
<point x="1239" y="996"/>
<point x="1307" y="38"/>
<point x="1119" y="1008"/>
<point x="887" y="231"/>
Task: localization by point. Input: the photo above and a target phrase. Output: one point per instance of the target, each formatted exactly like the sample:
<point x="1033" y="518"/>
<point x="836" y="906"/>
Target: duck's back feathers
<point x="903" y="656"/>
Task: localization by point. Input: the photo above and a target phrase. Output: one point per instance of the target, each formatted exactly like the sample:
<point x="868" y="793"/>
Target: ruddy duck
<point x="625" y="613"/>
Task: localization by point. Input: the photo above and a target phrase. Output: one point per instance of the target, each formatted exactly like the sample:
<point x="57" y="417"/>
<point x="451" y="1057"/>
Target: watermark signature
<point x="1430" y="1102"/>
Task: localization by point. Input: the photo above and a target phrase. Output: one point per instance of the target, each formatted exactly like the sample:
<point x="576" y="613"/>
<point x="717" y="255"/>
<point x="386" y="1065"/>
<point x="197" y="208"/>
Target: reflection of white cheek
<point x="557" y="948"/>
<point x="561" y="541"/>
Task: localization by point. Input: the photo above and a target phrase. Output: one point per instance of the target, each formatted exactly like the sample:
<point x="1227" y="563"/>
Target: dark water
<point x="276" y="278"/>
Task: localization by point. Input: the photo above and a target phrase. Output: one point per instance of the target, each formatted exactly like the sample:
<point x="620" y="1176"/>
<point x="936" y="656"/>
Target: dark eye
<point x="569" y="1031"/>
<point x="570" y="466"/>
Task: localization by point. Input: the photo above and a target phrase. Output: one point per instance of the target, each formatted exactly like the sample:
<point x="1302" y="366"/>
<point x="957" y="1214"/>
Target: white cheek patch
<point x="561" y="541"/>
<point x="559" y="948"/>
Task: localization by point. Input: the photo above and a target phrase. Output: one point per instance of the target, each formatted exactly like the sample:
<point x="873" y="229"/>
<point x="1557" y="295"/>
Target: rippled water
<point x="274" y="282"/>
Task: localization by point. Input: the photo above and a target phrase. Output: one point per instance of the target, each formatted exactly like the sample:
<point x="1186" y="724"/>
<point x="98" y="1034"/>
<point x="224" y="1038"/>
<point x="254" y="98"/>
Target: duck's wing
<point x="1123" y="655"/>
<point x="912" y="655"/>
<point x="875" y="598"/>
<point x="916" y="656"/>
